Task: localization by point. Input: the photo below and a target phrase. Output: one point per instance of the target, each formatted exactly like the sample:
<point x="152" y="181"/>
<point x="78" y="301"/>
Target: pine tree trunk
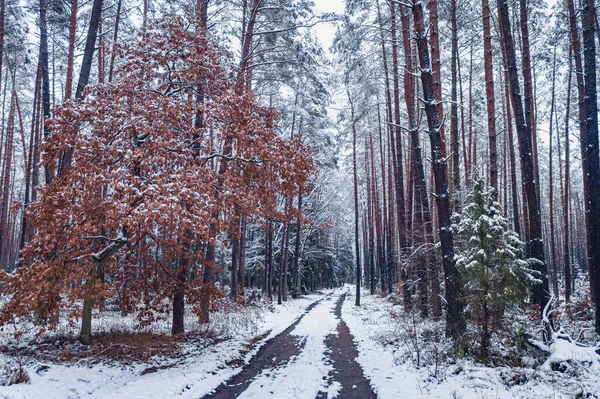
<point x="388" y="264"/>
<point x="370" y="222"/>
<point x="84" y="76"/>
<point x="100" y="53"/>
<point x="377" y="216"/>
<point x="591" y="152"/>
<point x="90" y="46"/>
<point x="489" y="93"/>
<point x="554" y="262"/>
<point x="25" y="226"/>
<point x="399" y="181"/>
<point x="472" y="143"/>
<point x="455" y="325"/>
<point x="355" y="178"/>
<point x="566" y="192"/>
<point x="528" y="82"/>
<point x="436" y="64"/>
<point x="454" y="112"/>
<point x="465" y="152"/>
<point x="540" y="291"/>
<point x="113" y="51"/>
<point x="576" y="48"/>
<point x="71" y="55"/>
<point x="48" y="171"/>
<point x="6" y="178"/>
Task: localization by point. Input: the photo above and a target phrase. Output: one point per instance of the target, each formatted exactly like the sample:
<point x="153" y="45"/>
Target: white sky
<point x="326" y="31"/>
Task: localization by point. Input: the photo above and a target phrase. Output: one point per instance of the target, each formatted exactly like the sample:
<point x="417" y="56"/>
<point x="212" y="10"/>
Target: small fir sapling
<point x="492" y="273"/>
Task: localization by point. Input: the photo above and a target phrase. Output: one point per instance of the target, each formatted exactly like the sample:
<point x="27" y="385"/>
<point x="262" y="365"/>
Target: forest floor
<point x="155" y="367"/>
<point x="406" y="357"/>
<point x="317" y="347"/>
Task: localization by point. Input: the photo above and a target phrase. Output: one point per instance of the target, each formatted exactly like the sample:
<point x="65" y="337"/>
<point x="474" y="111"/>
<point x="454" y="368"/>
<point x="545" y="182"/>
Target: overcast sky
<point x="326" y="31"/>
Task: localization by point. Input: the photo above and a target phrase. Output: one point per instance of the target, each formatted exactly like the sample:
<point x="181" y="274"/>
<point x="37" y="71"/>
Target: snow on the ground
<point x="200" y="371"/>
<point x="386" y="361"/>
<point x="306" y="374"/>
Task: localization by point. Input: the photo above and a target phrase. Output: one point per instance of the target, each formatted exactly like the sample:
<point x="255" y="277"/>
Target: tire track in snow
<point x="275" y="354"/>
<point x="347" y="375"/>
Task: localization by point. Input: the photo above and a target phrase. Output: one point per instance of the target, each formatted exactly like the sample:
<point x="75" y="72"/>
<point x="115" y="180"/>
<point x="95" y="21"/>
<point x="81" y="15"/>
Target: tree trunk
<point x="399" y="181"/>
<point x="554" y="262"/>
<point x="472" y="140"/>
<point x="455" y="325"/>
<point x="576" y="48"/>
<point x="454" y="112"/>
<point x="270" y="260"/>
<point x="436" y="64"/>
<point x="566" y="192"/>
<point x="99" y="262"/>
<point x="511" y="152"/>
<point x="242" y="260"/>
<point x="540" y="291"/>
<point x="183" y="268"/>
<point x="84" y="75"/>
<point x="6" y="174"/>
<point x="48" y="171"/>
<point x="235" y="251"/>
<point x="489" y="93"/>
<point x="113" y="51"/>
<point x="355" y="178"/>
<point x="591" y="153"/>
<point x="528" y="82"/>
<point x="371" y="225"/>
<point x="90" y="45"/>
<point x="71" y="55"/>
<point x="297" y="263"/>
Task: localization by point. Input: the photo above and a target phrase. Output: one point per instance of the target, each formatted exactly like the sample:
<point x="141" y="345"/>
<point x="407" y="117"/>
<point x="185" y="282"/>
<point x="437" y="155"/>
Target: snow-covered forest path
<point x="313" y="358"/>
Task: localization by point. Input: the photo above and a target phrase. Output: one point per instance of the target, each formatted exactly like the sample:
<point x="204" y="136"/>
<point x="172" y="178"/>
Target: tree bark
<point x="566" y="192"/>
<point x="541" y="293"/>
<point x="99" y="261"/>
<point x="591" y="152"/>
<point x="554" y="262"/>
<point x="489" y="92"/>
<point x="399" y="181"/>
<point x="113" y="51"/>
<point x="71" y="55"/>
<point x="297" y="263"/>
<point x="528" y="82"/>
<point x="48" y="171"/>
<point x="454" y="112"/>
<point x="84" y="75"/>
<point x="455" y="325"/>
<point x="355" y="180"/>
<point x="6" y="174"/>
<point x="576" y="48"/>
<point x="436" y="64"/>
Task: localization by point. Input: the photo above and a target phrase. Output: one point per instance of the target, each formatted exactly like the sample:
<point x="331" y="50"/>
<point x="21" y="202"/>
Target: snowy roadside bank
<point x="203" y="366"/>
<point x="386" y="361"/>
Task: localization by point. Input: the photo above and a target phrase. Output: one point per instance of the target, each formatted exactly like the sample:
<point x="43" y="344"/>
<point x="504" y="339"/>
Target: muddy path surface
<point x="274" y="353"/>
<point x="314" y="357"/>
<point x="346" y="370"/>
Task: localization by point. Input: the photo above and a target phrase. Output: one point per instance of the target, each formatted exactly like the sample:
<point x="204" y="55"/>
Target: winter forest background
<point x="176" y="168"/>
